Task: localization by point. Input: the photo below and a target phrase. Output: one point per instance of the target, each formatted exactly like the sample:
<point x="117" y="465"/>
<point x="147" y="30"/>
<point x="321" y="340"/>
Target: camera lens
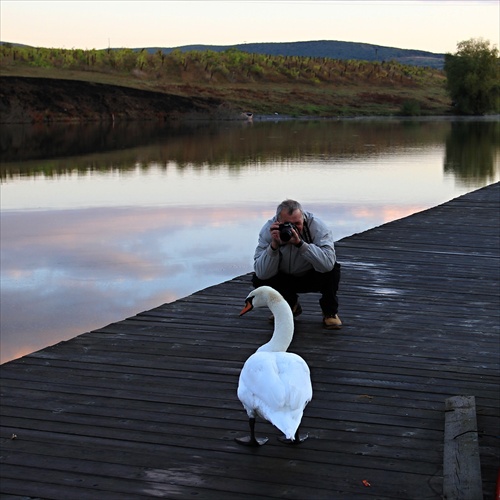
<point x="285" y="232"/>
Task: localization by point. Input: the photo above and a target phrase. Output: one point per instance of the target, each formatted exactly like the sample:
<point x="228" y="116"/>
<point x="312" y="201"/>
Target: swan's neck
<point x="283" y="327"/>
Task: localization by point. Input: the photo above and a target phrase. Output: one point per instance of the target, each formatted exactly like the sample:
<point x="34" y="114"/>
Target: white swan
<point x="274" y="384"/>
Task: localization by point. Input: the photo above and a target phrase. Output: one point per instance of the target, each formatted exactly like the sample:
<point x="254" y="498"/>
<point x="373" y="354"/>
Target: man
<point x="295" y="254"/>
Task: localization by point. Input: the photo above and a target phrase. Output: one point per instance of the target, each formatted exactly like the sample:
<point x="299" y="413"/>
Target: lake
<point x="102" y="221"/>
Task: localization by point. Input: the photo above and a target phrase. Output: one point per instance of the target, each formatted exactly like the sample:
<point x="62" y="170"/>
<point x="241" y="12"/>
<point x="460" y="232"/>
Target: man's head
<point x="291" y="211"/>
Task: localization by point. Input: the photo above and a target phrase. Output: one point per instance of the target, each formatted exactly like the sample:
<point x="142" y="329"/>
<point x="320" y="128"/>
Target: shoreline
<point x="492" y="117"/>
<point x="38" y="99"/>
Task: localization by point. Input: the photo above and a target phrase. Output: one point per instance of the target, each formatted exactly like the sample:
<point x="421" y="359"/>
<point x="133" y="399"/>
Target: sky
<point x="432" y="25"/>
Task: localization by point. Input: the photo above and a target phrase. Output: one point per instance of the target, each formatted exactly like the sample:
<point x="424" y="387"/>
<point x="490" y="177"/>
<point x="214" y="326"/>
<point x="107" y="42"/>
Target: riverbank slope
<point x="37" y="100"/>
<point x="33" y="94"/>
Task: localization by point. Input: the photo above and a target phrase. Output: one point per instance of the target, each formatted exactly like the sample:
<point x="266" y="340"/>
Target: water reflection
<point x="473" y="151"/>
<point x="62" y="269"/>
<point x="233" y="144"/>
<point x="92" y="234"/>
<point x="22" y="142"/>
<point x="472" y="147"/>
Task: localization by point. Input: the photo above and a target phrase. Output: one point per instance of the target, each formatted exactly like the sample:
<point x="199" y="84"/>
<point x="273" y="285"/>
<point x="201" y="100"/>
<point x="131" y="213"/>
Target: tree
<point x="473" y="77"/>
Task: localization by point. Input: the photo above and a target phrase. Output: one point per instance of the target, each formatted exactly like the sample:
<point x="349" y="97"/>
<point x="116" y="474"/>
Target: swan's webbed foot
<point x="299" y="439"/>
<point x="251" y="441"/>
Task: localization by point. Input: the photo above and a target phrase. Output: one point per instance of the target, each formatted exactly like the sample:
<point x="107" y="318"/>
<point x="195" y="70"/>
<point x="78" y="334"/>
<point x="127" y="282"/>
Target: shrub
<point x="473" y="77"/>
<point x="410" y="107"/>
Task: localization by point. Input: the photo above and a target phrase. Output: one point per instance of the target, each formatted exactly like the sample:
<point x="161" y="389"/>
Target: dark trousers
<point x="290" y="286"/>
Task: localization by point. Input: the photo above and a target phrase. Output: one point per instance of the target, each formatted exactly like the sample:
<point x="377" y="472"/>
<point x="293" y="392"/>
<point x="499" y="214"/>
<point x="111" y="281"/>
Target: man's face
<point x="296" y="218"/>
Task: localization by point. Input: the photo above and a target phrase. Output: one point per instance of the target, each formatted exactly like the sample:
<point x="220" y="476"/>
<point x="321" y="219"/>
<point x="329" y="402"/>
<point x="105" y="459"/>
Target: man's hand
<point x="275" y="235"/>
<point x="295" y="239"/>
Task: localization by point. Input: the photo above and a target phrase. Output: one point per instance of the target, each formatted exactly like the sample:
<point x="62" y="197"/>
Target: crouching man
<point x="295" y="254"/>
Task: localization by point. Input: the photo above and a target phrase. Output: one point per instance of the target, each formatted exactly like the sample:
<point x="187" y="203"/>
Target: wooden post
<point x="461" y="464"/>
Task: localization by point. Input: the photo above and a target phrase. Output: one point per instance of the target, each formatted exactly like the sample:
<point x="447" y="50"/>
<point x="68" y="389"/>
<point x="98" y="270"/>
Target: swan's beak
<point x="248" y="307"/>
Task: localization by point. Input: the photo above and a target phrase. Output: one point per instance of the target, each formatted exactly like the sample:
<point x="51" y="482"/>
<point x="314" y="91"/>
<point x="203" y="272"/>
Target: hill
<point x="224" y="83"/>
<point x="332" y="49"/>
<point x="326" y="48"/>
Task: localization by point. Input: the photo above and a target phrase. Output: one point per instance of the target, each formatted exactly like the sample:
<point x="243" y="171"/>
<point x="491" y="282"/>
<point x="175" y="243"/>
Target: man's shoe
<point x="332" y="322"/>
<point x="296" y="311"/>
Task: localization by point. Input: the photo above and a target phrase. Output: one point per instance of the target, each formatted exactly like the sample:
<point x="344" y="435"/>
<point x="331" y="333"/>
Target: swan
<point x="274" y="384"/>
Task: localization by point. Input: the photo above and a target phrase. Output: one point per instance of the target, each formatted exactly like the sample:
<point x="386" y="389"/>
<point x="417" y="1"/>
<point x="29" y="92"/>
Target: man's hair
<point x="289" y="206"/>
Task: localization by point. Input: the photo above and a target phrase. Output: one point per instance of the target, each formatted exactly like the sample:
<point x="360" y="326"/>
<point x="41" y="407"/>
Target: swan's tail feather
<point x="288" y="423"/>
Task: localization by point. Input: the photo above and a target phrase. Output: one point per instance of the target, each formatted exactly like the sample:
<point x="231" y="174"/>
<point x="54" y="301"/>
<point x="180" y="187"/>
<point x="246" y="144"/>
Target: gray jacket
<point x="317" y="251"/>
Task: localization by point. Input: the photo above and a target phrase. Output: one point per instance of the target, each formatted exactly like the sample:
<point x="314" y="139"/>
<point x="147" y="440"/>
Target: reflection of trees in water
<point x="23" y="142"/>
<point x="473" y="150"/>
<point x="58" y="149"/>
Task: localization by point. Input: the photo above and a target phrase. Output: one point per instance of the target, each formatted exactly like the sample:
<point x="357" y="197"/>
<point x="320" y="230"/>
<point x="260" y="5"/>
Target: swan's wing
<point x="295" y="376"/>
<point x="260" y="385"/>
<point x="274" y="381"/>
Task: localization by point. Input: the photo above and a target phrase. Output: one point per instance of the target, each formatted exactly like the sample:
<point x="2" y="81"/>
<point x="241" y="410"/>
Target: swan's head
<point x="261" y="297"/>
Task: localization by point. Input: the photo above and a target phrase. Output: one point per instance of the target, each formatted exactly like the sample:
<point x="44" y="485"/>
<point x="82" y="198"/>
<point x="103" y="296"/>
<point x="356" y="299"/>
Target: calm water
<point x="99" y="223"/>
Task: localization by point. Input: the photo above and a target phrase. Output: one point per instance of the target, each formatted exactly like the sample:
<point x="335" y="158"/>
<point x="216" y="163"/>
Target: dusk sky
<point x="433" y="25"/>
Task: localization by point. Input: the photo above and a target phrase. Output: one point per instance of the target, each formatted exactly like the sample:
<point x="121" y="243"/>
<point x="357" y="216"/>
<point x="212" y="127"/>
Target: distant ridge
<point x="320" y="48"/>
<point x="327" y="48"/>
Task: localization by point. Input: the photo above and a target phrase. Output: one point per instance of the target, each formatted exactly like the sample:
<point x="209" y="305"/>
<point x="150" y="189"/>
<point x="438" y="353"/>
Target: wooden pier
<point x="147" y="407"/>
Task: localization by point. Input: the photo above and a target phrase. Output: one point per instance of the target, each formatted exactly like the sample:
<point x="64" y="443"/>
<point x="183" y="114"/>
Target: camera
<point x="286" y="231"/>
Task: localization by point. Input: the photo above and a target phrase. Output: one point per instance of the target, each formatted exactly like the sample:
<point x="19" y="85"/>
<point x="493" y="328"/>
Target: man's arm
<point x="266" y="259"/>
<point x="321" y="252"/>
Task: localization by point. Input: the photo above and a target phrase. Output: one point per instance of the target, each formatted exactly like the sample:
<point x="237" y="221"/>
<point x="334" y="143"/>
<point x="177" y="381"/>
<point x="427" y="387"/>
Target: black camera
<point x="286" y="231"/>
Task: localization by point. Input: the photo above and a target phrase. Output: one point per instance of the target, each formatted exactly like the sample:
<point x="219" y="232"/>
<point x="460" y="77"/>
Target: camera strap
<point x="307" y="233"/>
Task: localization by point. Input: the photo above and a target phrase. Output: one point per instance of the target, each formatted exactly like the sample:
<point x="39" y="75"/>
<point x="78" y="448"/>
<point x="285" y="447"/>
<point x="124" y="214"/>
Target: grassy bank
<point x="296" y="86"/>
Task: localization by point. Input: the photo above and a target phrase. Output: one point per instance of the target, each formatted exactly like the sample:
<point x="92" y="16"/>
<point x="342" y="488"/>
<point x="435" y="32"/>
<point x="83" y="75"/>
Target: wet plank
<point x="461" y="463"/>
<point x="147" y="407"/>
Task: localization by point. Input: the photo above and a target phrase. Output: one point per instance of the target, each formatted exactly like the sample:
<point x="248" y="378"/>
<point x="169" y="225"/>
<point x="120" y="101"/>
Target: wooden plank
<point x="461" y="463"/>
